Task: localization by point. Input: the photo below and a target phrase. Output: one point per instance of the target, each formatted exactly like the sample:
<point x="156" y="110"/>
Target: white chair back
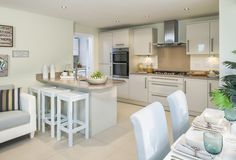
<point x="179" y="113"/>
<point x="151" y="133"/>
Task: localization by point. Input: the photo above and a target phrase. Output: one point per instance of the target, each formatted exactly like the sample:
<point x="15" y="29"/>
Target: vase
<point x="230" y="114"/>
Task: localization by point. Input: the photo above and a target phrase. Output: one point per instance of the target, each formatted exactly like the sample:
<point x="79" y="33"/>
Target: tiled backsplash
<point x="204" y="62"/>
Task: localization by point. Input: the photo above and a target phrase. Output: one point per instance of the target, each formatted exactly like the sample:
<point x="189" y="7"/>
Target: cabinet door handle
<point x="212" y="45"/>
<point x="171" y="79"/>
<point x="110" y="71"/>
<point x="185" y="87"/>
<point x="120" y="44"/>
<point x="145" y="83"/>
<point x="156" y="95"/>
<point x="187" y="45"/>
<point x="150" y="47"/>
<point x="210" y="88"/>
<point x="168" y="85"/>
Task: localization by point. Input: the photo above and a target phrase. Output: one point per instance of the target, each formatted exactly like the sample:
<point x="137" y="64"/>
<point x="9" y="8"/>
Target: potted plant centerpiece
<point x="225" y="97"/>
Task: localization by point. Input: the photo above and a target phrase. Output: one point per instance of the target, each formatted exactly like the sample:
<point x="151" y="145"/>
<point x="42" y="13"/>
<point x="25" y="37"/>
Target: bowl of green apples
<point x="97" y="77"/>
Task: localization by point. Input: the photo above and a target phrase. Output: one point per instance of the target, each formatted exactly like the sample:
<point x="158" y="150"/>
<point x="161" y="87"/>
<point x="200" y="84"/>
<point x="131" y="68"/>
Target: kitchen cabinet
<point x="212" y="85"/>
<point x="106" y="69"/>
<point x="121" y="38"/>
<point x="105" y="47"/>
<point x="162" y="86"/>
<point x="138" y="88"/>
<point x="197" y="94"/>
<point x="203" y="37"/>
<point x="123" y="90"/>
<point x="197" y="36"/>
<point x="143" y="40"/>
<point x="214" y="37"/>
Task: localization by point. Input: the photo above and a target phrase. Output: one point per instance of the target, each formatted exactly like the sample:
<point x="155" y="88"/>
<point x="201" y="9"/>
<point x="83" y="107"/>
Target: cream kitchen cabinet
<point x="123" y="90"/>
<point x="197" y="36"/>
<point x="138" y="88"/>
<point x="197" y="94"/>
<point x="121" y="38"/>
<point x="214" y="37"/>
<point x="212" y="85"/>
<point x="143" y="40"/>
<point x="105" y="47"/>
<point x="106" y="69"/>
<point x="203" y="37"/>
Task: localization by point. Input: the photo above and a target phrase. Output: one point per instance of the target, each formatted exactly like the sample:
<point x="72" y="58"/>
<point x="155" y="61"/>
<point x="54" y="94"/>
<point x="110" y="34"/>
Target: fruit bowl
<point x="101" y="80"/>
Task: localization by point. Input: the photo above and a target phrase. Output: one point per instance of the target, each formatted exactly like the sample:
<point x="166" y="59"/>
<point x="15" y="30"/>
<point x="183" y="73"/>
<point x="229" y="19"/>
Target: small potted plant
<point x="225" y="97"/>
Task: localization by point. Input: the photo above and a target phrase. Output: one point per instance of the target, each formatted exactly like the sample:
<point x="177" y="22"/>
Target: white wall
<point x="49" y="41"/>
<point x="78" y="28"/>
<point x="227" y="33"/>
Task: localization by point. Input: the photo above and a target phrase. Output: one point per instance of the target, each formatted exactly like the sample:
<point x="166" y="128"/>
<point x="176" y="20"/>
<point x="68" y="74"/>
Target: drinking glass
<point x="213" y="142"/>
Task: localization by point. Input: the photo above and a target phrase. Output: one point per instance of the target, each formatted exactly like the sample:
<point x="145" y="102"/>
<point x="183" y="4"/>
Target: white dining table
<point x="176" y="156"/>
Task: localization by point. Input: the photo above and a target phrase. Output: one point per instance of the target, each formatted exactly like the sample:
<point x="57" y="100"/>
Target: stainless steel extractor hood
<point x="171" y="35"/>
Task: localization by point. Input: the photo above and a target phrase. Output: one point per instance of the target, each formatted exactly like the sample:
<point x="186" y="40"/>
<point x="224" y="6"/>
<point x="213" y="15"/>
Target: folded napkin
<point x="195" y="152"/>
<point x="199" y="122"/>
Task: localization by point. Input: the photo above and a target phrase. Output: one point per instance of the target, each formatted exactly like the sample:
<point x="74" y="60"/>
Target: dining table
<point x="229" y="141"/>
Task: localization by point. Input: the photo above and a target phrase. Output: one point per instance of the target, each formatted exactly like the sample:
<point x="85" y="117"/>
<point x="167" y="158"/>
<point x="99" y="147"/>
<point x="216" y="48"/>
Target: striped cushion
<point x="10" y="99"/>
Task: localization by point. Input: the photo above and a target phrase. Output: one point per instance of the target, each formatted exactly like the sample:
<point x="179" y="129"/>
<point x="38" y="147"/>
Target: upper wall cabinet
<point x="143" y="41"/>
<point x="214" y="37"/>
<point x="203" y="38"/>
<point x="121" y="38"/>
<point x="105" y="47"/>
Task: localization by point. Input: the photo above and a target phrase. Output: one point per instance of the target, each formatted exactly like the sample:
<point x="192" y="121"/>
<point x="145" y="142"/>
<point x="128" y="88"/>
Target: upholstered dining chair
<point x="179" y="113"/>
<point x="151" y="132"/>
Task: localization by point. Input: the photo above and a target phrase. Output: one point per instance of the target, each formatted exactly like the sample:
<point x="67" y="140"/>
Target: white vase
<point x="45" y="72"/>
<point x="52" y="71"/>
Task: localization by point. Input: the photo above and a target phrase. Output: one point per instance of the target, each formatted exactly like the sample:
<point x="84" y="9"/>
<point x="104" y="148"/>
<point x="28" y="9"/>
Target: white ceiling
<point x="104" y="13"/>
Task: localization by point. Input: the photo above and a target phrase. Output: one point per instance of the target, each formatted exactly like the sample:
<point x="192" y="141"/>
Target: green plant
<point x="225" y="97"/>
<point x="96" y="75"/>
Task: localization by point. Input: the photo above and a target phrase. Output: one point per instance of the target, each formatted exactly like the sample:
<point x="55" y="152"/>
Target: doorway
<point x="83" y="53"/>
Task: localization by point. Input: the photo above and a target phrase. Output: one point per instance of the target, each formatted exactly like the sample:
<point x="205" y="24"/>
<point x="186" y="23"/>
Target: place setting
<point x="211" y="137"/>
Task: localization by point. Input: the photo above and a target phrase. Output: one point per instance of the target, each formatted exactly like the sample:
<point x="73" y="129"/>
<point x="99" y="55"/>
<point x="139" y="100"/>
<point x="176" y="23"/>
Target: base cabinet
<point x="123" y="90"/>
<point x="212" y="85"/>
<point x="197" y="94"/>
<point x="138" y="88"/>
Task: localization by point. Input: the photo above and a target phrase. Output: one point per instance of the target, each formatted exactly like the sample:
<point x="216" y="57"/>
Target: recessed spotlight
<point x="117" y="21"/>
<point x="186" y="9"/>
<point x="147" y="16"/>
<point x="63" y="7"/>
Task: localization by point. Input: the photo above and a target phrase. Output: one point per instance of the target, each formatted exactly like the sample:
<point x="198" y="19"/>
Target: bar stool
<point x="72" y="125"/>
<point x="50" y="118"/>
<point x="36" y="90"/>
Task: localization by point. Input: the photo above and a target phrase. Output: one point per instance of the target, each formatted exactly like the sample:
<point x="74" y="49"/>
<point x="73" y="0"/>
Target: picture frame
<point x="3" y="65"/>
<point x="6" y="36"/>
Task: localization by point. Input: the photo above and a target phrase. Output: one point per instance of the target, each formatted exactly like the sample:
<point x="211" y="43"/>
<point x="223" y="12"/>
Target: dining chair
<point x="151" y="133"/>
<point x="179" y="113"/>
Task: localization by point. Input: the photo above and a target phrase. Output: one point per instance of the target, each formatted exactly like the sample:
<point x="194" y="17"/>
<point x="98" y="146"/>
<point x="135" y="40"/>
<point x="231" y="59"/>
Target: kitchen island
<point x="103" y="100"/>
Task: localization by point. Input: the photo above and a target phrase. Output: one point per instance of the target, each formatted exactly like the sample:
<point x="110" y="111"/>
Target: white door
<point x="214" y="37"/>
<point x="138" y="88"/>
<point x="105" y="47"/>
<point x="196" y="93"/>
<point x="212" y="85"/>
<point x="143" y="41"/>
<point x="121" y="38"/>
<point x="197" y="36"/>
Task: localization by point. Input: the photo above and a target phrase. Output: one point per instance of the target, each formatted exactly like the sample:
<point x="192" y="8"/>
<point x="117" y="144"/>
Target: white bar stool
<point x="50" y="118"/>
<point x="36" y="90"/>
<point x="70" y="126"/>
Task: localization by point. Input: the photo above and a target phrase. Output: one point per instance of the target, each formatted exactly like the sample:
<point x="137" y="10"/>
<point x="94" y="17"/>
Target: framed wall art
<point x="6" y="36"/>
<point x="3" y="65"/>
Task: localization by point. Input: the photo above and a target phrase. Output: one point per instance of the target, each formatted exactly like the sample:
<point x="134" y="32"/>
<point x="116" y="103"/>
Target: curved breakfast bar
<point x="103" y="100"/>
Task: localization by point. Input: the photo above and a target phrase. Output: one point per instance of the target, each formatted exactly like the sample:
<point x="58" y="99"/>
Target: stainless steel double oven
<point x="120" y="62"/>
